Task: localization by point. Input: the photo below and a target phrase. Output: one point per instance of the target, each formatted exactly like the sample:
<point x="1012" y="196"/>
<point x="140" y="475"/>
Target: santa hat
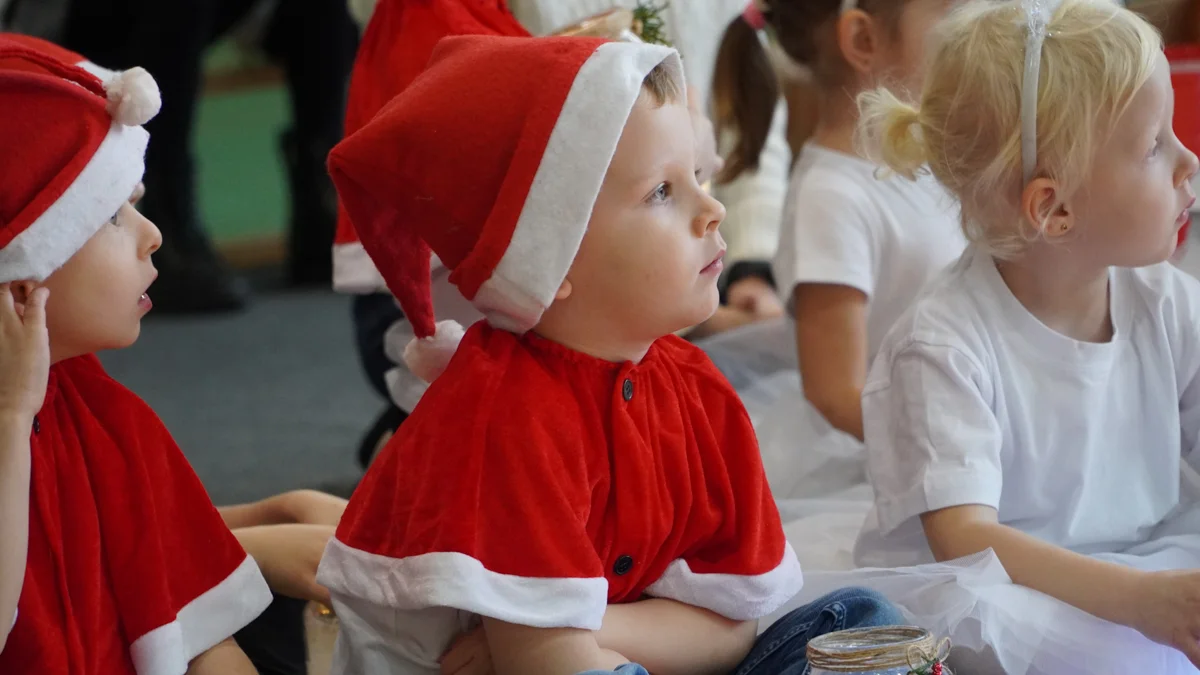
<point x="73" y="149"/>
<point x="395" y="49"/>
<point x="58" y="53"/>
<point x="493" y="159"/>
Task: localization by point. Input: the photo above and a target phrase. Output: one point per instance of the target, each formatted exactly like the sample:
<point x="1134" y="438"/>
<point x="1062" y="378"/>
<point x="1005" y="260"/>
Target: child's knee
<point x="866" y="607"/>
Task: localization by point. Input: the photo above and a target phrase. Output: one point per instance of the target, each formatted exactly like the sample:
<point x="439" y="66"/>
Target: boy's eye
<point x="1157" y="145"/>
<point x="661" y="193"/>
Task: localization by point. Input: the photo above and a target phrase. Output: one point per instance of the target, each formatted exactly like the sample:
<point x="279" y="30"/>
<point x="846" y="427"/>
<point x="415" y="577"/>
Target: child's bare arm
<point x="671" y="638"/>
<point x="307" y="507"/>
<point x="14" y="516"/>
<point x="24" y="372"/>
<point x="831" y="342"/>
<point x="516" y="650"/>
<point x="224" y="659"/>
<point x="1163" y="606"/>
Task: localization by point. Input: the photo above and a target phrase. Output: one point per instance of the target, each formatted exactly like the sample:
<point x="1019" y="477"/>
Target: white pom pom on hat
<point x="133" y="97"/>
<point x="428" y="357"/>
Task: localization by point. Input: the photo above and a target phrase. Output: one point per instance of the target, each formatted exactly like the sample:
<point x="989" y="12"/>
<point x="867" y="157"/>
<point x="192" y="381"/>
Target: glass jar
<point x="887" y="650"/>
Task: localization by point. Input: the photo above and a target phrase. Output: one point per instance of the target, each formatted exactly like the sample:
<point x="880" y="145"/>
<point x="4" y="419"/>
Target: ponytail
<point x="889" y="132"/>
<point x="745" y="93"/>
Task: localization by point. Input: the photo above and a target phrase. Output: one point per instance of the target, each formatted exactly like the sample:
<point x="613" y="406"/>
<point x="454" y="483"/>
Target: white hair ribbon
<point x="848" y="5"/>
<point x="1037" y="18"/>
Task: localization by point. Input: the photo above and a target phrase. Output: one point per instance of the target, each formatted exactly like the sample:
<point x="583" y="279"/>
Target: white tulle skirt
<point x="999" y="627"/>
<point x="804" y="457"/>
<point x="818" y="478"/>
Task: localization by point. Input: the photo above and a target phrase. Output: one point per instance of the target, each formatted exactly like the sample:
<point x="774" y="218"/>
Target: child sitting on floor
<point x="856" y="245"/>
<point x="573" y="453"/>
<point x="114" y="559"/>
<point x="1041" y="399"/>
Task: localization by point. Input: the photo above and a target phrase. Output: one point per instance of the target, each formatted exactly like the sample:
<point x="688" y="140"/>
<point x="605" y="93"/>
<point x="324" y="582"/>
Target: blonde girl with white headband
<point x="1042" y="398"/>
<point x="854" y="248"/>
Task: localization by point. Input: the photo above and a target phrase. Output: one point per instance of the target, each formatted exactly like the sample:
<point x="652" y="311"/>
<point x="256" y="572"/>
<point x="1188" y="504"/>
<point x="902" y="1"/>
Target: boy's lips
<point x="1186" y="213"/>
<point x="144" y="300"/>
<point x="716" y="265"/>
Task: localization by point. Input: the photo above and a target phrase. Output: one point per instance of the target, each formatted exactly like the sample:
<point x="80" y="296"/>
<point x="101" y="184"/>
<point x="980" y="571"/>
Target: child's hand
<point x="756" y="297"/>
<point x="24" y="354"/>
<point x="288" y="556"/>
<point x="468" y="655"/>
<point x="1170" y="611"/>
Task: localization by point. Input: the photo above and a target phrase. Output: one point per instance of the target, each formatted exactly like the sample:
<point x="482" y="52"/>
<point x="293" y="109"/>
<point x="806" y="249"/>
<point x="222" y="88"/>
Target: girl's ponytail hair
<point x="745" y="93"/>
<point x="889" y="132"/>
<point x="746" y="88"/>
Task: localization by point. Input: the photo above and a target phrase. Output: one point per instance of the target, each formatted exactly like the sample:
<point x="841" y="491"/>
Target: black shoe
<point x="313" y="211"/>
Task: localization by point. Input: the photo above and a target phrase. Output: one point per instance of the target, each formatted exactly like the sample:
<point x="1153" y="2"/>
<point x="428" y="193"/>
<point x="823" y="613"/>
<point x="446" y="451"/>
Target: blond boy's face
<point x="1132" y="206"/>
<point x="651" y="257"/>
<point x="98" y="298"/>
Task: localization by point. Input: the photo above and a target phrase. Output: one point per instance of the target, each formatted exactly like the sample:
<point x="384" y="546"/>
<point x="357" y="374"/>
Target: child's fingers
<point x="463" y="652"/>
<point x="1191" y="649"/>
<point x="8" y="307"/>
<point x="455" y="660"/>
<point x="35" y="309"/>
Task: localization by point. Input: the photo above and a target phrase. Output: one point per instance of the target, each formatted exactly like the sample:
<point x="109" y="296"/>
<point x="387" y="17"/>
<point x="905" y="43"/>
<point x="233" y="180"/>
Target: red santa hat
<point x="73" y="148"/>
<point x="58" y="53"/>
<point x="395" y="49"/>
<point x="493" y="159"/>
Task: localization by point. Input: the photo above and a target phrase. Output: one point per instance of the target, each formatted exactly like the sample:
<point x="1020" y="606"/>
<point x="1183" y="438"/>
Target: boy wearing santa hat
<point x="570" y="453"/>
<point x="114" y="560"/>
<point x="395" y="49"/>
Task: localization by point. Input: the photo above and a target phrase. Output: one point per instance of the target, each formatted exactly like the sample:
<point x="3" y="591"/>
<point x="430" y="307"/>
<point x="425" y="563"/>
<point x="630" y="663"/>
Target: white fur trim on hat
<point x="105" y="183"/>
<point x="428" y="357"/>
<point x="560" y="200"/>
<point x="133" y="97"/>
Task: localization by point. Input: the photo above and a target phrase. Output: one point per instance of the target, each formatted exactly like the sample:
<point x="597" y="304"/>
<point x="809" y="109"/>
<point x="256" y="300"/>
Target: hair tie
<point x="1037" y="17"/>
<point x="848" y="5"/>
<point x="754" y="16"/>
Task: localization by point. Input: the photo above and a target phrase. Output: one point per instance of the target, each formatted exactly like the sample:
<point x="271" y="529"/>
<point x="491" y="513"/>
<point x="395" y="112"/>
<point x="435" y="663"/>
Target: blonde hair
<point x="966" y="128"/>
<point x="662" y="87"/>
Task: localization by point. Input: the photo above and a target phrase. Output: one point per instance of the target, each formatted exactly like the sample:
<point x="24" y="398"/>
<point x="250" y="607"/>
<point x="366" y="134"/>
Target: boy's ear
<point x="564" y="290"/>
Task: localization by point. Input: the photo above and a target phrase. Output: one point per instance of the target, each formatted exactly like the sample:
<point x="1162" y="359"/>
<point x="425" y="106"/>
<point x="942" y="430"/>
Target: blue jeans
<point x="783" y="648"/>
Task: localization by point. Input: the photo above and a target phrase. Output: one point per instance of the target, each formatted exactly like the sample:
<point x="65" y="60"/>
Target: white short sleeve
<point x="377" y="639"/>
<point x="828" y="237"/>
<point x="932" y="440"/>
<point x="1183" y="297"/>
<point x="1189" y="418"/>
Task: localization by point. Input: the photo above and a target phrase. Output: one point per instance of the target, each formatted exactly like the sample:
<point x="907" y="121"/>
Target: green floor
<point x="242" y="187"/>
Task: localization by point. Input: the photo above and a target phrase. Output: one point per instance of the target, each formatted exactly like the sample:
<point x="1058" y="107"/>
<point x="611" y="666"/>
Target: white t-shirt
<point x="405" y="388"/>
<point x="972" y="400"/>
<point x="847" y="224"/>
